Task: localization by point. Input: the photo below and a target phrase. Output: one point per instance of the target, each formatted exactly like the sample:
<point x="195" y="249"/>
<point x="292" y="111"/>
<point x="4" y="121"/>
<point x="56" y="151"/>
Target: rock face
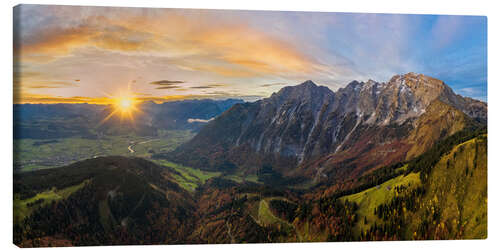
<point x="308" y="129"/>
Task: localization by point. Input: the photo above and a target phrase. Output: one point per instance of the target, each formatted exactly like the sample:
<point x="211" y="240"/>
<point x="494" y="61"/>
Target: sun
<point x="124" y="105"/>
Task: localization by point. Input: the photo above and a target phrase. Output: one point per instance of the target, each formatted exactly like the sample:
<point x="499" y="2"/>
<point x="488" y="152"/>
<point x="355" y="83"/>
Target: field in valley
<point x="32" y="154"/>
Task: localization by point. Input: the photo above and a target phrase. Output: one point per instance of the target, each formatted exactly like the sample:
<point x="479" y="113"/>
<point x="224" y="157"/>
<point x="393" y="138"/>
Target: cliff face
<point x="309" y="130"/>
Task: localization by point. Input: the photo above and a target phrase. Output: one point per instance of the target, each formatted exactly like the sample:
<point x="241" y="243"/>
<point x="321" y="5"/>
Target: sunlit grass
<point x="457" y="185"/>
<point x="189" y="178"/>
<point x="22" y="210"/>
<point x="370" y="198"/>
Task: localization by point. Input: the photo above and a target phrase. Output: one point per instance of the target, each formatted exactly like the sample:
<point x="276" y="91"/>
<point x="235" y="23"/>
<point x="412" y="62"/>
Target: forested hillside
<point x="440" y="195"/>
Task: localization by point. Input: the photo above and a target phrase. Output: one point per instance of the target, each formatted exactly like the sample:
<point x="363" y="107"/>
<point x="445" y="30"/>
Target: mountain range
<point x="399" y="160"/>
<point x="313" y="132"/>
<point x="48" y="121"/>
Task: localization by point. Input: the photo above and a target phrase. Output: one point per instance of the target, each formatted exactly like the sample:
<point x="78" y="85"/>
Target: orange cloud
<point x="49" y="99"/>
<point x="203" y="42"/>
<point x="254" y="50"/>
<point x="18" y="76"/>
<point x="25" y="80"/>
<point x="223" y="70"/>
<point x="49" y="85"/>
<point x="228" y="49"/>
<point x="53" y="42"/>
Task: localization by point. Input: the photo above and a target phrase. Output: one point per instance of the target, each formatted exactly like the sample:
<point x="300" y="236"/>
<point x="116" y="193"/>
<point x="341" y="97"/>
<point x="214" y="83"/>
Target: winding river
<point x="131" y="150"/>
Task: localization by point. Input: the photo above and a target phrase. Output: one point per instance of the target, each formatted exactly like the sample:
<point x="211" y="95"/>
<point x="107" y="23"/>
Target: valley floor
<point x="33" y="154"/>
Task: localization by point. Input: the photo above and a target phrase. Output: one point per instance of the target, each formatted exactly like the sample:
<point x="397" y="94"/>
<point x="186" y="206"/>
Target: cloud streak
<point x="165" y="82"/>
<point x="272" y="84"/>
<point x="209" y="86"/>
<point x="51" y="85"/>
<point x="168" y="87"/>
<point x="255" y="52"/>
<point x="233" y="44"/>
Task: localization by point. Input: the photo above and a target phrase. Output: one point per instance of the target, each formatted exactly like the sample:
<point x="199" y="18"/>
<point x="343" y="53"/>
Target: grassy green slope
<point x="265" y="217"/>
<point x="369" y="199"/>
<point x="188" y="178"/>
<point x="454" y="205"/>
<point x="457" y="191"/>
<point x="24" y="207"/>
<point x="191" y="178"/>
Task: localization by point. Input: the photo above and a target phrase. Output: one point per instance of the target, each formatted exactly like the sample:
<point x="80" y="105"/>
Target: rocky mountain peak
<point x="307" y="84"/>
<point x="418" y="90"/>
<point x="418" y="81"/>
<point x="300" y="123"/>
<point x="354" y="85"/>
<point x="306" y="91"/>
<point x="372" y="82"/>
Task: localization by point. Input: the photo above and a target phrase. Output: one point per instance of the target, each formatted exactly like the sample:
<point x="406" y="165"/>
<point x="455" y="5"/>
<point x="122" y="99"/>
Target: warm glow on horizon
<point x="73" y="53"/>
<point x="124" y="105"/>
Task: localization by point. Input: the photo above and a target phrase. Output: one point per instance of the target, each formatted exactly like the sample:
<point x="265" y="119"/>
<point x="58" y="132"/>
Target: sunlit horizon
<point x="71" y="54"/>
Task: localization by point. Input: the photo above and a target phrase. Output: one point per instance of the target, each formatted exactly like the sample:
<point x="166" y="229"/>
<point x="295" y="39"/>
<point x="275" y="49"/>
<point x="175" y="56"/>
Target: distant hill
<point x="308" y="131"/>
<point x="49" y="121"/>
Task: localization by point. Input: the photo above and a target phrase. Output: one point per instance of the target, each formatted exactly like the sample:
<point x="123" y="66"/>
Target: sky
<point x="68" y="54"/>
